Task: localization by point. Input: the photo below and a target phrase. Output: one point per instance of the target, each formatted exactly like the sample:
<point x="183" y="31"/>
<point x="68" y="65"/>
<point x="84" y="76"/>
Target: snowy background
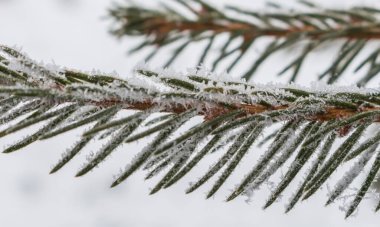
<point x="74" y="33"/>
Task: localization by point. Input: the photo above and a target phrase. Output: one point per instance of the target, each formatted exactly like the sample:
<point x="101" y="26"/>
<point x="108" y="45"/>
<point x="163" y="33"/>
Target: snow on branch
<point x="235" y="114"/>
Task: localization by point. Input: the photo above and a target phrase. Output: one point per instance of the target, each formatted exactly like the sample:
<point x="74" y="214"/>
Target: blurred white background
<point x="74" y="33"/>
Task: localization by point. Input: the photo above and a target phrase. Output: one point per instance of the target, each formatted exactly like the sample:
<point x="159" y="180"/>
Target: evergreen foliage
<point x="305" y="122"/>
<point x="309" y="28"/>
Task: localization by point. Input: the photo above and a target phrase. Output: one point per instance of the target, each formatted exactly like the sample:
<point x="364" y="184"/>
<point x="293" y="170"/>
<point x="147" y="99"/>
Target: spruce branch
<point x="235" y="115"/>
<point x="308" y="29"/>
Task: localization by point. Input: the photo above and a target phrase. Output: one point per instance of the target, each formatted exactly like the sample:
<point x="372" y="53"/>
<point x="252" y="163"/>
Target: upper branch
<point x="309" y="29"/>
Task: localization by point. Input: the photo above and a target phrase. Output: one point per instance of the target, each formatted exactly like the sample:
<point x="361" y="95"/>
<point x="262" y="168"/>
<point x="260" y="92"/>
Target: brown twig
<point x="161" y="27"/>
<point x="329" y="113"/>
